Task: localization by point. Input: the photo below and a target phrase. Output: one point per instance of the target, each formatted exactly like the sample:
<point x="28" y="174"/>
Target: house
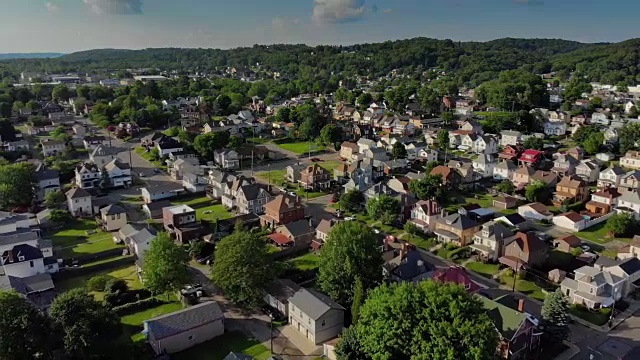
<point x="179" y="167"/>
<point x="630" y="202"/>
<point x="180" y="330"/>
<point x="424" y="215"/>
<point x="102" y="155"/>
<point x="567" y="243"/>
<point x="315" y="177"/>
<point x="522" y="176"/>
<point x="365" y="144"/>
<point x="550" y="179"/>
<point x="484" y="165"/>
<point x="278" y="293"/>
<point x="298" y="234"/>
<point x="79" y="129"/>
<point x="605" y="157"/>
<point x="180" y="221"/>
<point x="22" y="261"/>
<point x="555" y="128"/>
<point x="564" y="164"/>
<point x="611" y="135"/>
<point x="118" y="174"/>
<point x="471" y="125"/>
<point x="428" y="155"/>
<point x="515" y="221"/>
<point x="510" y="137"/>
<point x="375" y="154"/>
<point x="570" y="221"/>
<point x="603" y="201"/>
<point x="79" y="202"/>
<point x="464" y="168"/>
<point x="48" y="181"/>
<point x="404" y="128"/>
<point x="456" y="228"/>
<point x="167" y="145"/>
<point x="504" y="170"/>
<point x="153" y="210"/>
<point x="226" y="159"/>
<point x="524" y="250"/>
<point x="322" y="232"/>
<point x="88" y="176"/>
<point x="399" y="184"/>
<point x="576" y="152"/>
<point x="505" y="202"/>
<point x="349" y="150"/>
<point x="160" y="191"/>
<point x="630" y="182"/>
<point x="194" y="183"/>
<point x="631" y="160"/>
<point x="113" y="217"/>
<point x="592" y="287"/>
<point x="559" y="116"/>
<point x="456" y="275"/>
<point x="511" y="152"/>
<point x="52" y="147"/>
<point x="92" y="142"/>
<point x="531" y="157"/>
<point x="518" y="331"/>
<point x="137" y="239"/>
<point x="610" y="177"/>
<point x="632" y="250"/>
<point x="489" y="241"/>
<point x="283" y="209"/>
<point x="629" y="270"/>
<point x="449" y="176"/>
<point x="251" y="198"/>
<point x="410" y="265"/>
<point x="315" y="315"/>
<point x="628" y="107"/>
<point x="485" y="144"/>
<point x="571" y="189"/>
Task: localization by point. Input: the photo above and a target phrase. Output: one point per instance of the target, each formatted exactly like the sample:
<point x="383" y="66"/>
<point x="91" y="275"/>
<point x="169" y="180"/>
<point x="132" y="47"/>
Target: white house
<point x="629" y="201"/>
<point x="315" y="315"/>
<point x="88" y="176"/>
<point x="631" y="160"/>
<point x="504" y="170"/>
<point x="510" y="137"/>
<point x="593" y="287"/>
<point x="555" y="128"/>
<point x="48" y="181"/>
<point x="119" y="174"/>
<point x="428" y="155"/>
<point x="102" y="155"/>
<point x="610" y="177"/>
<point x="588" y="170"/>
<point x="485" y="144"/>
<point x="79" y="202"/>
<point x="484" y="165"/>
<point x="23" y="261"/>
<point x="160" y="191"/>
<point x="535" y="211"/>
<point x="52" y="147"/>
<point x="571" y="221"/>
<point x="226" y="159"/>
<point x="365" y="144"/>
<point x="628" y="107"/>
<point x="424" y="215"/>
<point x="113" y="217"/>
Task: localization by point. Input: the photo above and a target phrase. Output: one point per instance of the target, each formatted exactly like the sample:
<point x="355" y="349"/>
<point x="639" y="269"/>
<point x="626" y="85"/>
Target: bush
<point x="459" y="253"/>
<point x="450" y="247"/>
<point x="605" y="311"/>
<point x="127" y="297"/>
<point x="508" y="273"/>
<point x="521" y="274"/>
<point x="116" y="286"/>
<point x="137" y="306"/>
<point x="98" y="283"/>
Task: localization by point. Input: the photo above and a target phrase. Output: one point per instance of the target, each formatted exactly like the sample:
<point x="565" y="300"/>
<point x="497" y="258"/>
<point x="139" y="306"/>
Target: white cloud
<point x="51" y="7"/>
<point x="338" y="11"/>
<point x="121" y="7"/>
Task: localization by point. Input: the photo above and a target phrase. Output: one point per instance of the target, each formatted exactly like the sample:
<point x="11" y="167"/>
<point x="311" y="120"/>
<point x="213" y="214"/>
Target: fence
<point x="84" y="259"/>
<point x="598" y="220"/>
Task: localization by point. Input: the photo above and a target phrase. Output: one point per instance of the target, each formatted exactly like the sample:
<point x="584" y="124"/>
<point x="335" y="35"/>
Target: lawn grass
<point x="126" y="272"/>
<point x="524" y="286"/>
<point x="420" y="242"/>
<point x="458" y="200"/>
<point x="218" y="348"/>
<point x="300" y="147"/>
<point x="594" y="317"/>
<point x="277" y="177"/>
<point x="206" y="209"/>
<point x="133" y="322"/>
<point x="256" y="140"/>
<point x="73" y="241"/>
<point x="599" y="235"/>
<point x="485" y="270"/>
<point x="308" y="261"/>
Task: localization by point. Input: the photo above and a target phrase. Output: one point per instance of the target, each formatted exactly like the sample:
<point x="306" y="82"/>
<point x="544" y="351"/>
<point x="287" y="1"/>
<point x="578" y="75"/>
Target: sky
<point x="74" y="25"/>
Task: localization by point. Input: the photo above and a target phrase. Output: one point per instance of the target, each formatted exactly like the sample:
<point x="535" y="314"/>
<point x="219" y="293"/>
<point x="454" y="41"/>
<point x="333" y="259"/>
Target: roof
<point x="458" y="221"/>
<point x="17" y="237"/>
<point x="507" y="321"/>
<point x="251" y="191"/>
<point x="630" y="266"/>
<point x="143" y="236"/>
<point x="163" y="187"/>
<point x="21" y="253"/>
<point x="237" y="356"/>
<point x="442" y="170"/>
<point x="299" y="228"/>
<point x="350" y="145"/>
<point x="102" y="150"/>
<point x="609" y="193"/>
<point x="280" y="239"/>
<point x="539" y="207"/>
<point x="514" y="219"/>
<point x="314" y="304"/>
<point x="282" y="289"/>
<point x="571" y="240"/>
<point x="77" y="193"/>
<point x="115" y="163"/>
<point x="178" y="209"/>
<point x="529" y="242"/>
<point x="573" y="216"/>
<point x="325" y="226"/>
<point x="112" y="209"/>
<point x="180" y="321"/>
<point x="572" y="181"/>
<point x="32" y="284"/>
<point x="157" y="205"/>
<point x="283" y="203"/>
<point x="630" y="196"/>
<point x="46" y="174"/>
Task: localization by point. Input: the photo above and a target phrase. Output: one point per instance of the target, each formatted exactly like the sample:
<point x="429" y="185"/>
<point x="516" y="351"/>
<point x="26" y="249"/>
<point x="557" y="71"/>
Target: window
<point x="323" y="322"/>
<point x="31" y="264"/>
<point x="190" y="337"/>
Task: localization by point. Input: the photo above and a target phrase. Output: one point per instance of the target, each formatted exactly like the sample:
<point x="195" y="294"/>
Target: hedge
<point x="137" y="306"/>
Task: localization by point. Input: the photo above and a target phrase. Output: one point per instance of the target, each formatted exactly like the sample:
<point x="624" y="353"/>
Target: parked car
<point x="156" y="170"/>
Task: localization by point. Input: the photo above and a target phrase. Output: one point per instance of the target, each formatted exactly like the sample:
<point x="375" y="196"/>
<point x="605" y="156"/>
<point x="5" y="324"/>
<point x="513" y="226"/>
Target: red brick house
<point x="315" y="177"/>
<point x="180" y="222"/>
<point x="282" y="210"/>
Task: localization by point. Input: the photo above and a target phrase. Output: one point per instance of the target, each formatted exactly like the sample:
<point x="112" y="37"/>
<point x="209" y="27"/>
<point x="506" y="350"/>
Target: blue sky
<point x="72" y="25"/>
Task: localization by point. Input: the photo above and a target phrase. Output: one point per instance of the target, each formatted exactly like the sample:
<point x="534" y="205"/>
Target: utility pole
<point x="109" y="132"/>
<point x="515" y="275"/>
<point x="271" y="334"/>
<point x="251" y="162"/>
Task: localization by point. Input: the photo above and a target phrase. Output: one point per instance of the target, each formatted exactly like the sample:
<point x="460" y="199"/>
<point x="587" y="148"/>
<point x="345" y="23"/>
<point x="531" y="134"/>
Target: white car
<point x="585" y="248"/>
<point x="349" y="218"/>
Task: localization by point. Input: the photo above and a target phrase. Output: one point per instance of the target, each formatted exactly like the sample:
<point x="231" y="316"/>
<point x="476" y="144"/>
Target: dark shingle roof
<point x="77" y="193"/>
<point x="21" y="253"/>
<point x="299" y="228"/>
<point x="180" y="321"/>
<point x="112" y="209"/>
<point x="630" y="266"/>
<point x="313" y="303"/>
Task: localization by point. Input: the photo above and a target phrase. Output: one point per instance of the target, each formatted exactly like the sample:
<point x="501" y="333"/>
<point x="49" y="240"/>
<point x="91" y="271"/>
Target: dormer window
<point x="20" y="258"/>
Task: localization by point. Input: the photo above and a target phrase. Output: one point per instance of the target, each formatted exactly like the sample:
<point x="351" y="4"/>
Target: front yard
<point x="524" y="286"/>
<point x="277" y="177"/>
<point x="483" y="269"/>
<point x="126" y="272"/>
<point x="599" y="235"/>
<point x="595" y="317"/>
<point x="81" y="237"/>
<point x="206" y="209"/>
<point x="218" y="348"/>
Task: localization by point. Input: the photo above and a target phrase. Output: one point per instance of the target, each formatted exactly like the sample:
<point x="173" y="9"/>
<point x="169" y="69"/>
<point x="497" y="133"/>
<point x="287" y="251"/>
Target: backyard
<point x="218" y="348"/>
<point x="308" y="261"/>
<point x="524" y="286"/>
<point x="483" y="269"/>
<point x="599" y="235"/>
<point x="81" y="237"/>
<point x="300" y="148"/>
<point x="206" y="209"/>
<point x="277" y="177"/>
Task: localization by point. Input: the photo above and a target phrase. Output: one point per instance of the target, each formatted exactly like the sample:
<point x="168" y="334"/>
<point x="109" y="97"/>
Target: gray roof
<point x="77" y="193"/>
<point x="163" y="187"/>
<point x="251" y="191"/>
<point x="143" y="236"/>
<point x="313" y="303"/>
<point x="17" y="237"/>
<point x="510" y="133"/>
<point x="180" y="321"/>
<point x="630" y="266"/>
<point x="630" y="196"/>
<point x="32" y="284"/>
<point x="298" y="228"/>
<point x="459" y="221"/>
<point x="115" y="163"/>
<point x="47" y="174"/>
<point x="21" y="253"/>
<point x="102" y="150"/>
<point x="282" y="289"/>
<point x="237" y="356"/>
<point x="112" y="209"/>
<point x="158" y="205"/>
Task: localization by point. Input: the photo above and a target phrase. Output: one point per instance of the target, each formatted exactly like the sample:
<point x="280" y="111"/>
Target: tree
<point x="351" y="251"/>
<point x="593" y="143"/>
<point x="430" y="166"/>
<point x="397" y="322"/>
<point x="514" y="89"/>
<point x="399" y="151"/>
<point x="351" y="201"/>
<point x="5" y="109"/>
<point x="555" y="316"/>
<point x="235" y="142"/>
<point x="25" y="332"/>
<point x="242" y="277"/>
<point x="583" y="133"/>
<point x="533" y="142"/>
<point x="383" y="207"/>
<point x="7" y="131"/>
<point x="364" y="100"/>
<point x="619" y="224"/>
<point x="206" y="144"/>
<point x="575" y="88"/>
<point x="60" y="93"/>
<point x="54" y="199"/>
<point x="429" y="188"/>
<point x="628" y="137"/>
<point x="411" y="229"/>
<point x="166" y="266"/>
<point x="59" y="217"/>
<point x="17" y="185"/>
<point x="330" y="134"/>
<point x="537" y="191"/>
<point x="223" y="102"/>
<point x="90" y="329"/>
<point x="443" y="140"/>
<point x="348" y="347"/>
<point x="447" y="117"/>
<point x="358" y="300"/>
<point x="506" y="187"/>
<point x="283" y="115"/>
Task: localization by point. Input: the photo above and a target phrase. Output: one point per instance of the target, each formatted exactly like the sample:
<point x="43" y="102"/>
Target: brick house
<point x="315" y="177"/>
<point x="180" y="221"/>
<point x="524" y="250"/>
<point x="571" y="189"/>
<point x="283" y="209"/>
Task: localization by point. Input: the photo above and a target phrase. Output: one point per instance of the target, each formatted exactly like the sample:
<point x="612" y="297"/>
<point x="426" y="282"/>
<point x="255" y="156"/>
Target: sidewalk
<point x="572" y="351"/>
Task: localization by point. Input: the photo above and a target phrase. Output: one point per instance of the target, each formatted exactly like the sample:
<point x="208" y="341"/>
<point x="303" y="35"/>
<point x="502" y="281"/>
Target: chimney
<point x="310" y="222"/>
<point x="521" y="305"/>
<point x="403" y="251"/>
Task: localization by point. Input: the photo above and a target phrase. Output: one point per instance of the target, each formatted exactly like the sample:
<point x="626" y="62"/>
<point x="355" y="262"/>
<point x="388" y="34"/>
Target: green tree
<point x="242" y="277"/>
<point x="575" y="88"/>
<point x="348" y="347"/>
<point x="90" y="329"/>
<point x="555" y="316"/>
<point x="330" y="134"/>
<point x="537" y="191"/>
<point x="352" y="251"/>
<point x="506" y="187"/>
<point x="54" y="199"/>
<point x="447" y="117"/>
<point x="364" y="100"/>
<point x="358" y="300"/>
<point x="534" y="142"/>
<point x="443" y="140"/>
<point x="5" y="109"/>
<point x="619" y="224"/>
<point x="17" y="185"/>
<point x="429" y="188"/>
<point x="60" y="93"/>
<point x="583" y="133"/>
<point x="166" y="266"/>
<point x="594" y="142"/>
<point x="514" y="89"/>
<point x="206" y="144"/>
<point x="283" y="115"/>
<point x="235" y="142"/>
<point x="396" y="322"/>
<point x="59" y="217"/>
<point x="383" y="207"/>
<point x="628" y="137"/>
<point x="351" y="201"/>
<point x="399" y="151"/>
<point x="25" y="332"/>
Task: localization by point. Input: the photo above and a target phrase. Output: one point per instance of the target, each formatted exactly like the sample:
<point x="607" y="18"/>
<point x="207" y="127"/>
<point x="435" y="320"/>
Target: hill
<point x="29" y="55"/>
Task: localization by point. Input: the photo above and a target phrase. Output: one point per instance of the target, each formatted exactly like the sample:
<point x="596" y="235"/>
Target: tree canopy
<point x="17" y="185"/>
<point x="514" y="89"/>
<point x="165" y="265"/>
<point x="24" y="330"/>
<point x="206" y="144"/>
<point x="384" y="207"/>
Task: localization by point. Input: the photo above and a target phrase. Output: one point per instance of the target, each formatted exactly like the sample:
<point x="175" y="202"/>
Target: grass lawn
<point x="597" y="234"/>
<point x="218" y="348"/>
<point x="524" y="286"/>
<point x="458" y="199"/>
<point x="308" y="261"/>
<point x="420" y="242"/>
<point x="486" y="270"/>
<point x="257" y="140"/>
<point x="205" y="209"/>
<point x="596" y="318"/>
<point x="300" y="147"/>
<point x="277" y="177"/>
<point x="73" y="241"/>
<point x="128" y="273"/>
<point x="133" y="322"/>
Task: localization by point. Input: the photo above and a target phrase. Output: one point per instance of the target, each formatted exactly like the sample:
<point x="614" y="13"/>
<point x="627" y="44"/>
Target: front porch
<point x="448" y="237"/>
